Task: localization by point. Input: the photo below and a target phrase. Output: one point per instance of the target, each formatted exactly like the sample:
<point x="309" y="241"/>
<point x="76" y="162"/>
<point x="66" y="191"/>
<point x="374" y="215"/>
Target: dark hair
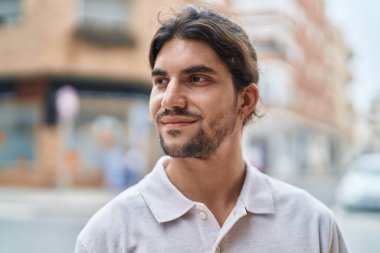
<point x="228" y="40"/>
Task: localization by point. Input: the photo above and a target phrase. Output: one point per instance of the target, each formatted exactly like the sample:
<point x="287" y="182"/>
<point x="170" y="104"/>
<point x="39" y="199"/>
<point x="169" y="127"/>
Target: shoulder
<point x="303" y="212"/>
<point x="112" y="221"/>
<point x="300" y="216"/>
<point x="289" y="198"/>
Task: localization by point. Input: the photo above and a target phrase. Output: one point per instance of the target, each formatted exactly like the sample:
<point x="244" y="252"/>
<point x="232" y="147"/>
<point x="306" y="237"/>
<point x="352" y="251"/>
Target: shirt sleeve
<point x="337" y="244"/>
<point x="80" y="247"/>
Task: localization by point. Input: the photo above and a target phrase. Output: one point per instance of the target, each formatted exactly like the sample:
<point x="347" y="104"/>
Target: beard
<point x="202" y="145"/>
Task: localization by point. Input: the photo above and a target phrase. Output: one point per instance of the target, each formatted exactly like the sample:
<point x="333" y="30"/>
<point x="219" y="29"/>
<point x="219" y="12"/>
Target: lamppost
<point x="67" y="104"/>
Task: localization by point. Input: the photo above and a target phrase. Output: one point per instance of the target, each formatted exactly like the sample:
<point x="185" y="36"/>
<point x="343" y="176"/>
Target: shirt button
<point x="218" y="249"/>
<point x="202" y="215"/>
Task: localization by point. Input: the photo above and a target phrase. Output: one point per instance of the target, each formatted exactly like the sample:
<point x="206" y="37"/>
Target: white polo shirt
<point x="154" y="216"/>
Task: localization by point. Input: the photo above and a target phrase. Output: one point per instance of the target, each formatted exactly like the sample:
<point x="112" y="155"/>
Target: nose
<point x="174" y="96"/>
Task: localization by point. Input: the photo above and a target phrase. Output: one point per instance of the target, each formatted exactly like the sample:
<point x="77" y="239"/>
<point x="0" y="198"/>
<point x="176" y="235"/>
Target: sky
<point x="359" y="21"/>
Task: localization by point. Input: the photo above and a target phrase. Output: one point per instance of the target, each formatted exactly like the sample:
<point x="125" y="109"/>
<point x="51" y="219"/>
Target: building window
<point x="18" y="123"/>
<point x="277" y="84"/>
<point x="105" y="12"/>
<point x="271" y="45"/>
<point x="105" y="123"/>
<point x="105" y="22"/>
<point x="10" y="11"/>
<point x="290" y="8"/>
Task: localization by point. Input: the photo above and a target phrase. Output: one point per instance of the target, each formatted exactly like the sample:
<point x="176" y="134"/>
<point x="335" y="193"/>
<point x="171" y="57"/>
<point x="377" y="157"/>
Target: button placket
<point x="237" y="213"/>
<point x="207" y="225"/>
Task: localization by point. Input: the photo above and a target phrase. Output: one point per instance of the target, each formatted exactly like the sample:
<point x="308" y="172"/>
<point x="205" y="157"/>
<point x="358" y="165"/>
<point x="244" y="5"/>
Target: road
<point x="361" y="230"/>
<point x="46" y="221"/>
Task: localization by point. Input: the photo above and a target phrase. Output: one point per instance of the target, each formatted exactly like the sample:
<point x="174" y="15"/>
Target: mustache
<point x="178" y="112"/>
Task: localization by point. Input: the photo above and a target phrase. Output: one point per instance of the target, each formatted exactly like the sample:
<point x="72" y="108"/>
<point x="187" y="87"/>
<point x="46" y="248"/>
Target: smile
<point x="177" y="121"/>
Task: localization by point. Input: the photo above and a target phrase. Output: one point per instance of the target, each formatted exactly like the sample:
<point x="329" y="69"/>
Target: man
<point x="203" y="197"/>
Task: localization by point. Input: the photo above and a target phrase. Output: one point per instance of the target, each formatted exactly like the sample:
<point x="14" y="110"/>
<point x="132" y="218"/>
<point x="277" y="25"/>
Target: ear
<point x="249" y="98"/>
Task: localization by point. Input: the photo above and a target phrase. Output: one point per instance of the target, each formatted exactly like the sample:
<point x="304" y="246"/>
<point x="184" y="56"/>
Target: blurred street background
<point x="75" y="128"/>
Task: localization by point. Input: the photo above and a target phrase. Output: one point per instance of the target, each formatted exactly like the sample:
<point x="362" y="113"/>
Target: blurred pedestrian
<point x="203" y="196"/>
<point x="107" y="130"/>
<point x="135" y="163"/>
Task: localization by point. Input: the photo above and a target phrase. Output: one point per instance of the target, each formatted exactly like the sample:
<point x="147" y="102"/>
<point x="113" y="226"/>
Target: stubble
<point x="203" y="144"/>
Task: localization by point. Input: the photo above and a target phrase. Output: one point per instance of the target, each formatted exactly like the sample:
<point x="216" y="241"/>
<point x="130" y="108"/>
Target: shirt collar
<point x="256" y="195"/>
<point x="167" y="203"/>
<point x="164" y="200"/>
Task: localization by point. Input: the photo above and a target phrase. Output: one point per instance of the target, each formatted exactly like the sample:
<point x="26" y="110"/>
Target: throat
<point x="215" y="185"/>
<point x="221" y="211"/>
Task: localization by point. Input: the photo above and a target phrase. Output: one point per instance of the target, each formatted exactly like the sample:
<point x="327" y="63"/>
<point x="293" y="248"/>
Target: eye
<point x="197" y="79"/>
<point x="160" y="81"/>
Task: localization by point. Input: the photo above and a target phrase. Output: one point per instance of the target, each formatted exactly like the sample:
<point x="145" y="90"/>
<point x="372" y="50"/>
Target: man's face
<point x="193" y="103"/>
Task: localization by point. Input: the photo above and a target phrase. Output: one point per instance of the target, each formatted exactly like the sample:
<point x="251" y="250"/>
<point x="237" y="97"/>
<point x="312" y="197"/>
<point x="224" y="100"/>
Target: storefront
<point x="36" y="148"/>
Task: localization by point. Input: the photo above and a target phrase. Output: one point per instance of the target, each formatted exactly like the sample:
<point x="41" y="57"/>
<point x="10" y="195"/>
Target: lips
<point x="176" y="121"/>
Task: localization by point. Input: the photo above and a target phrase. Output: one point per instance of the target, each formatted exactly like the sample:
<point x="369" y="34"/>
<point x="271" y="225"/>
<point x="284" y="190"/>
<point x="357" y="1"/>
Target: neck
<point x="216" y="182"/>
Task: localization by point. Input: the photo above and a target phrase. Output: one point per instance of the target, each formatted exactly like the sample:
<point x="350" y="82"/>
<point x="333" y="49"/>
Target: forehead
<point x="181" y="53"/>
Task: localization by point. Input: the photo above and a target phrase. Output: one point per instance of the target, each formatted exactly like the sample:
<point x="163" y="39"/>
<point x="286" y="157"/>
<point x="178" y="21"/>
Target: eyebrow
<point x="159" y="72"/>
<point x="188" y="70"/>
<point x="198" y="68"/>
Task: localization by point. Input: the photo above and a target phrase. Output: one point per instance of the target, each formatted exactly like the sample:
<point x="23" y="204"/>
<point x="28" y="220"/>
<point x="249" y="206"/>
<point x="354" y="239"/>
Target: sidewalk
<point x="39" y="220"/>
<point x="41" y="203"/>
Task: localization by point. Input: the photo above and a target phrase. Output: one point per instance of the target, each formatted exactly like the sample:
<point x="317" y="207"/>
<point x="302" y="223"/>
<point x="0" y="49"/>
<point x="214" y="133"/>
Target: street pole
<point x="67" y="104"/>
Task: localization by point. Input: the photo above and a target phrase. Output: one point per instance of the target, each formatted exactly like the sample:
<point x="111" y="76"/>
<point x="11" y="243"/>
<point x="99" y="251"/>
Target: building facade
<point x="374" y="125"/>
<point x="303" y="62"/>
<point x="99" y="49"/>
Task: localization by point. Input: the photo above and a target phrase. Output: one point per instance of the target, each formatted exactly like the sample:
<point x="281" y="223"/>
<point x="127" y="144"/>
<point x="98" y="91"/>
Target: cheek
<point x="212" y="102"/>
<point x="154" y="105"/>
